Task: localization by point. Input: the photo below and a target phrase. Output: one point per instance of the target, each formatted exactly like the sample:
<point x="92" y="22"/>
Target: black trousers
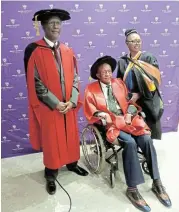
<point x="51" y="174"/>
<point x="131" y="164"/>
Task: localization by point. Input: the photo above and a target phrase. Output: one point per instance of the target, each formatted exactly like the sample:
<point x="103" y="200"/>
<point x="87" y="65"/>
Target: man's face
<point x="104" y="73"/>
<point x="134" y="42"/>
<point x="52" y="28"/>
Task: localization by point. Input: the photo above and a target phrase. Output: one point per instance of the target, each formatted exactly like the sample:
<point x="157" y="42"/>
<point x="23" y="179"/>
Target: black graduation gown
<point x="155" y="126"/>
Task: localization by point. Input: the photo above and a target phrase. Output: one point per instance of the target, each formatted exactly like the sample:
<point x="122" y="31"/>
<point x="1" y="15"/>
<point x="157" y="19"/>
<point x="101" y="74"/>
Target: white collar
<point x="104" y="85"/>
<point x="49" y="42"/>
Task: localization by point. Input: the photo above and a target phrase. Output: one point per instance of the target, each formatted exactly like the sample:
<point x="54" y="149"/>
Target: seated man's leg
<point x="132" y="171"/>
<point x="146" y="144"/>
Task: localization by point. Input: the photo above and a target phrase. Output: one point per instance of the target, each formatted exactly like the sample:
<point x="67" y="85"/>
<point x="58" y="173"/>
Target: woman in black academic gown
<point x="140" y="72"/>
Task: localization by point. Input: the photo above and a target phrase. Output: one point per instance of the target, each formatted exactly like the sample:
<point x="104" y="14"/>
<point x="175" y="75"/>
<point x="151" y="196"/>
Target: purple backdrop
<point x="96" y="29"/>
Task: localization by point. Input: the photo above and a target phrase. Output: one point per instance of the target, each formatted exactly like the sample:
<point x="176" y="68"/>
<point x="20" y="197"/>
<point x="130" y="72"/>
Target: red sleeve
<point x="89" y="106"/>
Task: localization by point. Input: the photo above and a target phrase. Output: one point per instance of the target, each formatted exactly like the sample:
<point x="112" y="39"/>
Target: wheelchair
<point x="95" y="146"/>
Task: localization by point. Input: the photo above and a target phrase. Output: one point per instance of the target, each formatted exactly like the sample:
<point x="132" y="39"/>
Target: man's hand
<point x="108" y="118"/>
<point x="128" y="118"/>
<point x="61" y="106"/>
<point x="69" y="106"/>
<point x="105" y="116"/>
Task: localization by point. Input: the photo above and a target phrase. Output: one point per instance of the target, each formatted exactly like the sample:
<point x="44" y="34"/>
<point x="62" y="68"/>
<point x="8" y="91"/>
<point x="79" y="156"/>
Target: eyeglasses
<point x="106" y="72"/>
<point x="134" y="41"/>
<point x="53" y="23"/>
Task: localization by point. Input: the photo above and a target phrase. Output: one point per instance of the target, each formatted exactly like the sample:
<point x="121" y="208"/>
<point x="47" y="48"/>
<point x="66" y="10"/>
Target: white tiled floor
<point x="23" y="185"/>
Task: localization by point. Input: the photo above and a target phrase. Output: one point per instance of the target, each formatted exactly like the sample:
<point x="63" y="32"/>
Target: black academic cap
<point x="106" y="59"/>
<point x="44" y="15"/>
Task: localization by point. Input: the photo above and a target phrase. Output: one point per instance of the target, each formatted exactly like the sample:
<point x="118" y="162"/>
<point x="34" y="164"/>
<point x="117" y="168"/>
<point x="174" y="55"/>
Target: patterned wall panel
<point x="96" y="29"/>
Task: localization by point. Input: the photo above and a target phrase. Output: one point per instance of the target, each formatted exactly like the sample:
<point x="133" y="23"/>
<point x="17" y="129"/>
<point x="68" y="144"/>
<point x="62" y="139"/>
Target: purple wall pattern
<point x="96" y="29"/>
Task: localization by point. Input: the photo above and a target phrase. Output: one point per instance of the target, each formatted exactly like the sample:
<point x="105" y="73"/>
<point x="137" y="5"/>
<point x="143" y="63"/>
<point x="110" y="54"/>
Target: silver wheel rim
<point x="89" y="146"/>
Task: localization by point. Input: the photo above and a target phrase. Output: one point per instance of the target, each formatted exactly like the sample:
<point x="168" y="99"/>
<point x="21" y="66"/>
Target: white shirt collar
<point x="104" y="85"/>
<point x="50" y="43"/>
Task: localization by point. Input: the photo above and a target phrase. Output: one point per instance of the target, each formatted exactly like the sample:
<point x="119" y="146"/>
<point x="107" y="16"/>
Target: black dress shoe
<point x="137" y="200"/>
<point x="51" y="187"/>
<point x="161" y="194"/>
<point x="78" y="170"/>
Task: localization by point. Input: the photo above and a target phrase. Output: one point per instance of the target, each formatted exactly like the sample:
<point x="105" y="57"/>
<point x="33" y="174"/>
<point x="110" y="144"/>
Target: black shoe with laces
<point x="78" y="170"/>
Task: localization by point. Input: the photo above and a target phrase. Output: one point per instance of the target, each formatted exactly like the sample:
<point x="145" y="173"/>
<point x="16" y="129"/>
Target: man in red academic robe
<point x="53" y="92"/>
<point x="106" y="102"/>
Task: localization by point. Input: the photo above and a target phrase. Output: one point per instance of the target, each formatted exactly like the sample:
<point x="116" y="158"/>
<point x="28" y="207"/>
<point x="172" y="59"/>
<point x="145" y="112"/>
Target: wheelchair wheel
<point x="141" y="156"/>
<point x="112" y="178"/>
<point x="145" y="167"/>
<point x="93" y="149"/>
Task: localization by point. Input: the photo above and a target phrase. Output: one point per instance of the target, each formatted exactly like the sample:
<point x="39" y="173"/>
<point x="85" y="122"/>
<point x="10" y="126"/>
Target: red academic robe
<point x="95" y="101"/>
<point x="55" y="133"/>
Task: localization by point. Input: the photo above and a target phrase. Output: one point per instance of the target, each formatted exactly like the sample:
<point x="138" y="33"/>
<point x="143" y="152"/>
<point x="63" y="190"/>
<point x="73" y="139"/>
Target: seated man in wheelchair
<point x="106" y="101"/>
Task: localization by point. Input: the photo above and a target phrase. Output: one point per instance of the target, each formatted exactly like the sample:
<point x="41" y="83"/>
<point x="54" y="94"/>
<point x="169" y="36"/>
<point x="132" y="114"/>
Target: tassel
<point x="36" y="26"/>
<point x="90" y="78"/>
